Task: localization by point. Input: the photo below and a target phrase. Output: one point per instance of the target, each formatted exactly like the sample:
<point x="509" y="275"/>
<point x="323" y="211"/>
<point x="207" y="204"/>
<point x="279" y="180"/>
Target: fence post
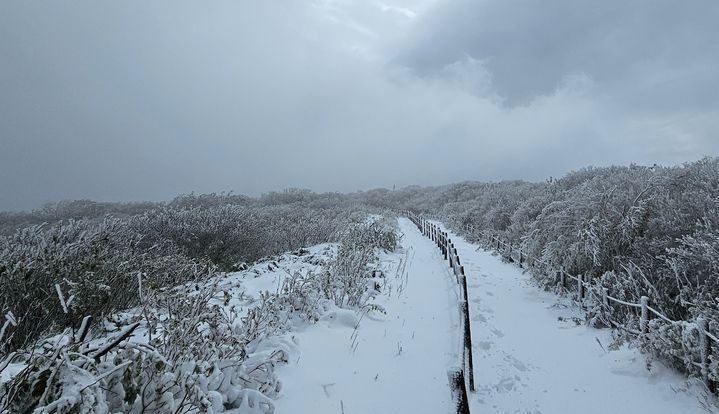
<point x="705" y="349"/>
<point x="467" y="331"/>
<point x="580" y="289"/>
<point x="445" y="247"/>
<point x="521" y="258"/>
<point x="453" y="254"/>
<point x="562" y="277"/>
<point x="459" y="390"/>
<point x="644" y="301"/>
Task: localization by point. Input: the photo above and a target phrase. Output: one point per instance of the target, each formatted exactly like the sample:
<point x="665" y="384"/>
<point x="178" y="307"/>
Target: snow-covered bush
<point x="350" y="278"/>
<point x="191" y="348"/>
<point x="51" y="213"/>
<point x="637" y="231"/>
<point x="229" y="234"/>
<point x="377" y="232"/>
<point x="95" y="265"/>
<point x="95" y="261"/>
<point x="694" y="265"/>
<point x="201" y="359"/>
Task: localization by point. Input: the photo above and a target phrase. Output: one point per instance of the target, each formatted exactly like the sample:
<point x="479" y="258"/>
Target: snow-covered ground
<point x="351" y="360"/>
<point x="394" y="364"/>
<point x="532" y="357"/>
<point x="531" y="352"/>
<point x="233" y="294"/>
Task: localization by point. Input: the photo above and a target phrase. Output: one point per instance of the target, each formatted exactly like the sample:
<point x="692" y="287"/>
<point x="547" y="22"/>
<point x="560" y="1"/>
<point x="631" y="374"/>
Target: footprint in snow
<point x="516" y="363"/>
<point x="479" y="317"/>
<point x="498" y="333"/>
<point x="507" y="384"/>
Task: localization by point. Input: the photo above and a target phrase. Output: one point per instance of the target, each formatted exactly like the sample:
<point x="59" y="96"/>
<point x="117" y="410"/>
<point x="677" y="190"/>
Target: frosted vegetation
<point x="77" y="279"/>
<point x="635" y="230"/>
<point x="172" y="332"/>
<point x="95" y="251"/>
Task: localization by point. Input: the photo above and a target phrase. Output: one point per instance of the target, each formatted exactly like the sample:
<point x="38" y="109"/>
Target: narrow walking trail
<point x="393" y="364"/>
<point x="533" y="354"/>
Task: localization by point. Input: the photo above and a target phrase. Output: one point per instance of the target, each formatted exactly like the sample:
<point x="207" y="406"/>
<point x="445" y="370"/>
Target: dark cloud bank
<point x="143" y="100"/>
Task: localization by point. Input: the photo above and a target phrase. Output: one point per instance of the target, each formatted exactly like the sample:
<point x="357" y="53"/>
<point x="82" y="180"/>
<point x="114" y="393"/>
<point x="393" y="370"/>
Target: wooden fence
<point x="460" y="378"/>
<point x="583" y="289"/>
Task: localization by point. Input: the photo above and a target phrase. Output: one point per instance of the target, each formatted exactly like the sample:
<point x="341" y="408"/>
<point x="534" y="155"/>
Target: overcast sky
<point x="142" y="100"/>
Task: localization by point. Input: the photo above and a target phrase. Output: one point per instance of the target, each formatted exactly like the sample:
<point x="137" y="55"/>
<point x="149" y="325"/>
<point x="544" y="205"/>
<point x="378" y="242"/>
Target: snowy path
<point x="400" y="362"/>
<point x="531" y="357"/>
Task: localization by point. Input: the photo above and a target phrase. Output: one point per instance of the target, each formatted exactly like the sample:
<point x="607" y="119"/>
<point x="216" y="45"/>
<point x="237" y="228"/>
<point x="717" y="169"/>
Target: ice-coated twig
<point x="84" y="329"/>
<point x="4" y="363"/>
<point x="107" y="374"/>
<point x="62" y="298"/>
<point x="126" y="333"/>
<point x="9" y="320"/>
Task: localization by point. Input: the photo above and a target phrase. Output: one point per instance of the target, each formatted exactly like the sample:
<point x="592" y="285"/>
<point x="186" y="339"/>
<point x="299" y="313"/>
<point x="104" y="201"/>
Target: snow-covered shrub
<point x="377" y="232"/>
<point x="95" y="265"/>
<point x="694" y="265"/>
<point x="635" y="230"/>
<point x="197" y="362"/>
<point x="194" y="354"/>
<point x="229" y="234"/>
<point x="52" y="213"/>
<point x="349" y="280"/>
<point x="191" y="348"/>
<point x="222" y="234"/>
<point x="303" y="296"/>
<point x="96" y="261"/>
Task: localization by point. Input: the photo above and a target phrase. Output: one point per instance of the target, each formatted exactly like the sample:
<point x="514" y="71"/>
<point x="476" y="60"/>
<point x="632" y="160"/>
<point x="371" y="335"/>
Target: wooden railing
<point x="458" y="378"/>
<point x="583" y="289"/>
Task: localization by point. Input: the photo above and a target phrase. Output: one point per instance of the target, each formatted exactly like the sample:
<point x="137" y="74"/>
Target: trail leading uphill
<point x="532" y="353"/>
<point x="396" y="364"/>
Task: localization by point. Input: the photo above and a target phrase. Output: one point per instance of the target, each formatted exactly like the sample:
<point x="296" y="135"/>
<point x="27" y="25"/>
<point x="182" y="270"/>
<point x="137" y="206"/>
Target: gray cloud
<point x="143" y="100"/>
<point x="657" y="54"/>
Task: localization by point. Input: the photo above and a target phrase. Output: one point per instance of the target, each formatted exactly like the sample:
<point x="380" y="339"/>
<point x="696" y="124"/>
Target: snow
<point x="237" y="292"/>
<point x="393" y="364"/>
<point x="10" y="371"/>
<point x="533" y="354"/>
